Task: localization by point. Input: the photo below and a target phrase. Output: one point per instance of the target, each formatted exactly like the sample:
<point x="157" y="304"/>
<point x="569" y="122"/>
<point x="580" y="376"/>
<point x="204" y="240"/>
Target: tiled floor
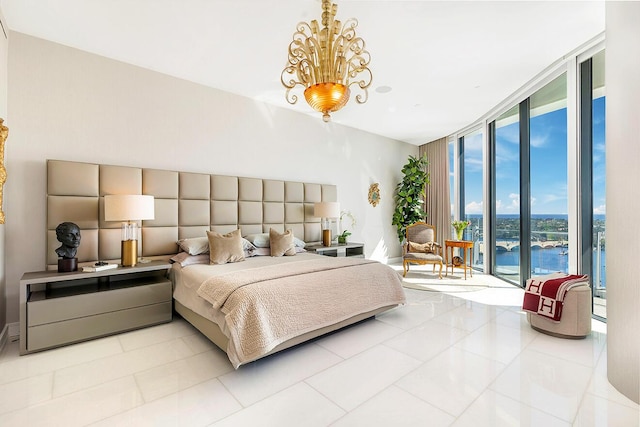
<point x="460" y="353"/>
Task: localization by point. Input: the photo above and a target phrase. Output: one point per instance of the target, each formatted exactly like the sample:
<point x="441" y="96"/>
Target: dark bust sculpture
<point x="68" y="234"/>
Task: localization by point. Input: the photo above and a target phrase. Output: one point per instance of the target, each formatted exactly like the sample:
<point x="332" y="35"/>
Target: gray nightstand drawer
<point x="82" y="328"/>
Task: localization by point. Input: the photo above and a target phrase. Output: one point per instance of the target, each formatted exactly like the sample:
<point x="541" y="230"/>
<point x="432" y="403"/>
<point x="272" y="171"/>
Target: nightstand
<point x="63" y="308"/>
<point x="336" y="250"/>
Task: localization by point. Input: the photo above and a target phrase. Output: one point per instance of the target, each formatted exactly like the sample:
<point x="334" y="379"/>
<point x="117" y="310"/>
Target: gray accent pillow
<point x="224" y="248"/>
<point x="194" y="245"/>
<point x="281" y="244"/>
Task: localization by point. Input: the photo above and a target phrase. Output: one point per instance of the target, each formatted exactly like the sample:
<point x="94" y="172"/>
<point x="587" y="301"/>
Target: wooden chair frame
<point x="407" y="261"/>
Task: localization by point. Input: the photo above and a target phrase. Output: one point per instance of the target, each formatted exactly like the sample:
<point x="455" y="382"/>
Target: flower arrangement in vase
<point x="342" y="238"/>
<point x="459" y="227"/>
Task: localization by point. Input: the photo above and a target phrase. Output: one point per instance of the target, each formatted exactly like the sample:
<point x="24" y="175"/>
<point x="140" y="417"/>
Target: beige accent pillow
<point x="426" y="248"/>
<point x="224" y="248"/>
<point x="281" y="244"/>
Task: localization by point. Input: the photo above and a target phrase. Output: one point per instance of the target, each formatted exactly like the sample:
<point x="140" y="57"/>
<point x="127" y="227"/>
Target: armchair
<point x="421" y="247"/>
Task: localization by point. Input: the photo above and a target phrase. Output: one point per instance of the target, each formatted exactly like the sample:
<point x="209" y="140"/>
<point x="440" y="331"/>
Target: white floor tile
<point x="426" y="340"/>
<point x="498" y="342"/>
<point x="270" y="375"/>
<point x="397" y="408"/>
<point x="199" y="405"/>
<point x="452" y="380"/>
<point x="48" y="361"/>
<point x="596" y="411"/>
<point x="358" y="338"/>
<point x="22" y="393"/>
<point x="184" y="373"/>
<point x="547" y="383"/>
<point x="495" y="410"/>
<point x="585" y="351"/>
<point x="469" y="316"/>
<point x="79" y="409"/>
<point x="156" y="334"/>
<point x="353" y="381"/>
<point x="299" y="405"/>
<point x="77" y="377"/>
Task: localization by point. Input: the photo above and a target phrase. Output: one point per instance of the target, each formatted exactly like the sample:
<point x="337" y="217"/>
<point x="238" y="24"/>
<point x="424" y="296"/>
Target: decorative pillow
<point x="261" y="240"/>
<point x="224" y="248"/>
<point x="281" y="244"/>
<point x="184" y="259"/>
<point x="195" y="245"/>
<point x="427" y="248"/>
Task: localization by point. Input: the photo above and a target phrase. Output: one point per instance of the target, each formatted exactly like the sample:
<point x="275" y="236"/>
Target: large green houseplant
<point x="410" y="193"/>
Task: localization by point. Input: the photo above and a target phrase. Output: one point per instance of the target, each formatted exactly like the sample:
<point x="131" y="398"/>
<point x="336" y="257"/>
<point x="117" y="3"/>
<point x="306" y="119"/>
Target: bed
<point x="271" y="302"/>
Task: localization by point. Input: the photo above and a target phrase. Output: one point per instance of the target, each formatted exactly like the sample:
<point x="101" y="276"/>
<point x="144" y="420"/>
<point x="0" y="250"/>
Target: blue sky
<point x="548" y="165"/>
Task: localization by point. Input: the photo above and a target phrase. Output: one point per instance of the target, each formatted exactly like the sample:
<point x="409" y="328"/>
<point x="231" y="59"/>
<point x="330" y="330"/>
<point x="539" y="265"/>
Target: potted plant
<point x="342" y="238"/>
<point x="410" y="193"/>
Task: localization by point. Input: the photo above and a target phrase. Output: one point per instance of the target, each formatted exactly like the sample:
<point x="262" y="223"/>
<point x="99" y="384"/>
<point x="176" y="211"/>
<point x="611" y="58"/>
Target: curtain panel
<point x="438" y="203"/>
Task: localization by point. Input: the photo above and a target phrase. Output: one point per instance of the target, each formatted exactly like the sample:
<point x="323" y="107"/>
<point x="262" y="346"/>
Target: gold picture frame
<point x="374" y="194"/>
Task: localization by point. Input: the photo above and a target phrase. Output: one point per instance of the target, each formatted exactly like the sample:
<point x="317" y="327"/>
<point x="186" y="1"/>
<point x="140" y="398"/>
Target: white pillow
<point x="261" y="240"/>
<point x="194" y="245"/>
<point x="200" y="245"/>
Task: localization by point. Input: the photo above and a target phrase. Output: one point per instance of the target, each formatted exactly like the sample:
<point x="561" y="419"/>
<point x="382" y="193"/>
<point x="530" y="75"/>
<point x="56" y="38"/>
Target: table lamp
<point x="128" y="209"/>
<point x="327" y="211"/>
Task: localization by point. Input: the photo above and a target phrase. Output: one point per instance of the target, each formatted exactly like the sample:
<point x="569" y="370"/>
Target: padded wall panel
<point x="312" y="193"/>
<point x="224" y="212"/>
<point x="224" y="187"/>
<point x="329" y="193"/>
<point x="298" y="230"/>
<point x="160" y="184"/>
<point x="120" y="180"/>
<point x="250" y="189"/>
<point x="196" y="231"/>
<point x="273" y="191"/>
<point x="82" y="211"/>
<point x="186" y="205"/>
<point x="293" y="192"/>
<point x="273" y="212"/>
<point x="224" y="229"/>
<point x="166" y="214"/>
<point x="193" y="212"/>
<point x="110" y="244"/>
<point x="72" y="179"/>
<point x="249" y="213"/>
<point x="294" y="212"/>
<point x="312" y="232"/>
<point x="159" y="241"/>
<point x="194" y="186"/>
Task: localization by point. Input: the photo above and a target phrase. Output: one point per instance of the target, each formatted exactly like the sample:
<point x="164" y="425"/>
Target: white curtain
<point x="438" y="203"/>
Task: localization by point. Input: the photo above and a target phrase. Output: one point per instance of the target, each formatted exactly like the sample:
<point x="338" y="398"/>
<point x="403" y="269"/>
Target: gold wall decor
<point x="4" y="133"/>
<point x="374" y="194"/>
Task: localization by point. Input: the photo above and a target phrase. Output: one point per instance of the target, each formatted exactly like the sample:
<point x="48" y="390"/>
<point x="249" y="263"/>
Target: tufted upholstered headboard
<point x="186" y="205"/>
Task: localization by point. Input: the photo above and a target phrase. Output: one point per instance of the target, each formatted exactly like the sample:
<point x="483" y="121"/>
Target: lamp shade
<point x="131" y="207"/>
<point x="326" y="210"/>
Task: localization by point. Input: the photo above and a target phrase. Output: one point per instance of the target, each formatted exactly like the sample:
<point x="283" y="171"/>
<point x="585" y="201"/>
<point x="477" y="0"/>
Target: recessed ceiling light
<point x="383" y="89"/>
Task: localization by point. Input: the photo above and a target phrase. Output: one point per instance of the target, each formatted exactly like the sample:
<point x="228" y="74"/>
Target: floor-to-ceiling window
<point x="507" y="195"/>
<point x="591" y="162"/>
<point x="472" y="202"/>
<point x="549" y="246"/>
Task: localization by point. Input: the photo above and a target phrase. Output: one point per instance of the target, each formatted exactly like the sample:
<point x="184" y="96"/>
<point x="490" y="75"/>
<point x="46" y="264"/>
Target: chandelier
<point x="327" y="62"/>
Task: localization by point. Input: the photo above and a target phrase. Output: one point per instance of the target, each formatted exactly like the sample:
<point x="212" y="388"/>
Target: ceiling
<point x="447" y="62"/>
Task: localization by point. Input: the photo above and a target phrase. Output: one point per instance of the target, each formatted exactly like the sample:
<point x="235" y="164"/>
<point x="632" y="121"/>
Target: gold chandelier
<point x="327" y="62"/>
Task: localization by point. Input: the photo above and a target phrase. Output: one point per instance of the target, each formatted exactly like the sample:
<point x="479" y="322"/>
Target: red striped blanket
<point x="545" y="295"/>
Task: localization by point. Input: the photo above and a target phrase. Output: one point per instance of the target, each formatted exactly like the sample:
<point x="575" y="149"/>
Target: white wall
<point x="68" y="104"/>
<point x="623" y="197"/>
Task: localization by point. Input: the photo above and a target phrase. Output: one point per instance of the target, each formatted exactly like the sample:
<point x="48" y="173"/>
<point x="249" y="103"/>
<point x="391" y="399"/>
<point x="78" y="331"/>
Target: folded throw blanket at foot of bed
<point x="544" y="295"/>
